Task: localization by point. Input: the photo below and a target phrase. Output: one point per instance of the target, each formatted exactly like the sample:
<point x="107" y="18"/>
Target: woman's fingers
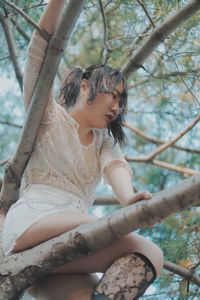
<point x="141" y="196"/>
<point x="147" y="195"/>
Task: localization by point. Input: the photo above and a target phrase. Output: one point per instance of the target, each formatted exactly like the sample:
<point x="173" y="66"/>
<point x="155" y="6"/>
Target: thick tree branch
<point x="15" y="168"/>
<point x="20" y="270"/>
<point x="158" y="36"/>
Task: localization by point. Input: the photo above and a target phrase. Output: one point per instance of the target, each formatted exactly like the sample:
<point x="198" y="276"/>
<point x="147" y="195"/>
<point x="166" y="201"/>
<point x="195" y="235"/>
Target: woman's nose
<point x="115" y="108"/>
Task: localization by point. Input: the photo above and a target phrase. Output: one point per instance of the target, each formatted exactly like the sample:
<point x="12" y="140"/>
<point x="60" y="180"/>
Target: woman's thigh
<point x="64" y="286"/>
<point x="49" y="227"/>
<point x="58" y="223"/>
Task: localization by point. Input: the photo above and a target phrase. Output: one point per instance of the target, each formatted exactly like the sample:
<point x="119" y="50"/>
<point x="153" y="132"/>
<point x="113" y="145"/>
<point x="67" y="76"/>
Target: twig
<point x="174" y="140"/>
<point x="146" y="12"/>
<point x="10" y="124"/>
<point x="183" y="272"/>
<point x="3" y="58"/>
<point x="162" y="164"/>
<point x="193" y="73"/>
<point x="43" y="33"/>
<point x="107" y="48"/>
<point x="157" y="141"/>
<point x="3" y="162"/>
<point x="158" y="36"/>
<point x="12" y="49"/>
<point x="186" y="85"/>
<point x="21" y="31"/>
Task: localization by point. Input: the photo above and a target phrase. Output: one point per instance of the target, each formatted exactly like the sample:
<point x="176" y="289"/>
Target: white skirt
<point x="37" y="202"/>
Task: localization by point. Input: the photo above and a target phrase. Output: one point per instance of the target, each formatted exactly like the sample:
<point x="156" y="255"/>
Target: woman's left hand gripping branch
<point x="139" y="196"/>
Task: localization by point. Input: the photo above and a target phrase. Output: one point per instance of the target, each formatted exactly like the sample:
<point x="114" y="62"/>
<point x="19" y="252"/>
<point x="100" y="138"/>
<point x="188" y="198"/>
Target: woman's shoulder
<point x="103" y="137"/>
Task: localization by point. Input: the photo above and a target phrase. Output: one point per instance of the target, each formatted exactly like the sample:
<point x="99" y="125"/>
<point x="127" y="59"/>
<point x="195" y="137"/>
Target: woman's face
<point x="104" y="109"/>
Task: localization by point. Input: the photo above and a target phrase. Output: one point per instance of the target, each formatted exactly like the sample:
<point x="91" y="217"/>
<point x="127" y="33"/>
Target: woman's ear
<point x="84" y="90"/>
<point x="84" y="84"/>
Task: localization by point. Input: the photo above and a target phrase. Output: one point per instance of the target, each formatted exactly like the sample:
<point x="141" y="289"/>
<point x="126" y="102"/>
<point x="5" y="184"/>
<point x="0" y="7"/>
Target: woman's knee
<point x="136" y="243"/>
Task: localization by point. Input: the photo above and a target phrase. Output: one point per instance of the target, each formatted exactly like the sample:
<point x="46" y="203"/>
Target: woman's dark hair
<point x="102" y="79"/>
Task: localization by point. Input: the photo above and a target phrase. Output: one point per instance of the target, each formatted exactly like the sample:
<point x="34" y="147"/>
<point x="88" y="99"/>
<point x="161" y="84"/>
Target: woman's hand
<point x="140" y="196"/>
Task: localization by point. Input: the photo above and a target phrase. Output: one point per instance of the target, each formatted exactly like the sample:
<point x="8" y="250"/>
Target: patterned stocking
<point x="126" y="279"/>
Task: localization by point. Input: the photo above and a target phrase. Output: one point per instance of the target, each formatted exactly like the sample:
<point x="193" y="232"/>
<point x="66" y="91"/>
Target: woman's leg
<point x="150" y="258"/>
<point x="101" y="259"/>
<point x="64" y="286"/>
<point x="49" y="227"/>
<point x="129" y="265"/>
<point x="59" y="223"/>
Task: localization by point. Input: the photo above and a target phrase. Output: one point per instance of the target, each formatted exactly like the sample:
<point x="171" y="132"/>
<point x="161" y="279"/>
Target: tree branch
<point x="158" y="36"/>
<point x="157" y="141"/>
<point x="3" y="162"/>
<point x="166" y="145"/>
<point x="150" y="157"/>
<point x="163" y="164"/>
<point x="18" y="271"/>
<point x="43" y="33"/>
<point x="183" y="272"/>
<point x="21" y="31"/>
<point x="146" y="12"/>
<point x="12" y="48"/>
<point x="105" y="36"/>
<point x="10" y="124"/>
<point x="16" y="166"/>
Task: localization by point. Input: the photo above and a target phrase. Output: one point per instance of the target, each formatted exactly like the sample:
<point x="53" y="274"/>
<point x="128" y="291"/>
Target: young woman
<point x="78" y="142"/>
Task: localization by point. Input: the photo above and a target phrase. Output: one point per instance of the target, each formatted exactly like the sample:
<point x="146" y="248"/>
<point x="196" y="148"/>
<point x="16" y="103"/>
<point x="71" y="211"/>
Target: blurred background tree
<point x="163" y="100"/>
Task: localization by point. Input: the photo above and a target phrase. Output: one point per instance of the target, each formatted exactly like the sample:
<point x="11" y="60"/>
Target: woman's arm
<point x="37" y="50"/>
<point x="121" y="182"/>
<point x="118" y="173"/>
<point x="50" y="17"/>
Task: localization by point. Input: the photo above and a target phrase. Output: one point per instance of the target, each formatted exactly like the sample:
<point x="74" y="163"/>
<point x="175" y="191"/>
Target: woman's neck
<point x="84" y="130"/>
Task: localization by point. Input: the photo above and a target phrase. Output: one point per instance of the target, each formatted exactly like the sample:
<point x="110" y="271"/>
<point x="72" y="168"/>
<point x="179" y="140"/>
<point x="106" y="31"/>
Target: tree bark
<point x="18" y="271"/>
<point x="17" y="164"/>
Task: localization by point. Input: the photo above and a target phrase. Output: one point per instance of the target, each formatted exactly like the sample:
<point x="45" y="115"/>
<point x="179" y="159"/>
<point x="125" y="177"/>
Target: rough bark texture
<point x="18" y="271"/>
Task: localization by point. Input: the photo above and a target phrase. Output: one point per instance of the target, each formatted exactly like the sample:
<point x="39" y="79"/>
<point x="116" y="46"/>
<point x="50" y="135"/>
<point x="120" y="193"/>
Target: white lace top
<point x="59" y="159"/>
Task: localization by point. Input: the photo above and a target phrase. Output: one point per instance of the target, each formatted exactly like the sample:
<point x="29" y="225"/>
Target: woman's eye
<point x="114" y="96"/>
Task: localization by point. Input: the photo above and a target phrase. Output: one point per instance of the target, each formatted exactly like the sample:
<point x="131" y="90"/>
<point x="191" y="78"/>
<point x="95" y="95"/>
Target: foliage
<point x="164" y="98"/>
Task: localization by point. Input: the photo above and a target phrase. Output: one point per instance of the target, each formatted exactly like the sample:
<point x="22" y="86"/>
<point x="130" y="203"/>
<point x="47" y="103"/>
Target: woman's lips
<point x="110" y="117"/>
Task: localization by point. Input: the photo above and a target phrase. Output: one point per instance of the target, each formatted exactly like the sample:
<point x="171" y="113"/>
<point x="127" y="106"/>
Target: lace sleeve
<point x="111" y="157"/>
<point x="35" y="56"/>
